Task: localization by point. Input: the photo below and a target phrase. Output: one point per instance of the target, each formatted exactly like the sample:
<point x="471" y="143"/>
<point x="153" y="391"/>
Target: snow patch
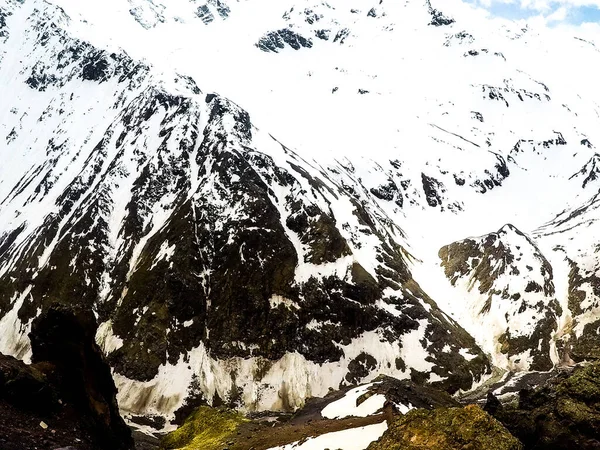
<point x="347" y="406"/>
<point x="351" y="439"/>
<point x="106" y="339"/>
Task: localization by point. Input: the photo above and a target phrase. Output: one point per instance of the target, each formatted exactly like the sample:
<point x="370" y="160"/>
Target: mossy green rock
<point x="205" y="429"/>
<point x="563" y="414"/>
<point x="468" y="428"/>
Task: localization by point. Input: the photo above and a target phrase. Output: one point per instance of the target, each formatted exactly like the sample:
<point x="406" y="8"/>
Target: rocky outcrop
<point x="67" y="396"/>
<point x="509" y="287"/>
<point x="63" y="343"/>
<point x="560" y="415"/>
<point x="277" y="40"/>
<point x="590" y="172"/>
<point x="438" y="18"/>
<point x="405" y="392"/>
<point x="572" y="235"/>
<point x="468" y="428"/>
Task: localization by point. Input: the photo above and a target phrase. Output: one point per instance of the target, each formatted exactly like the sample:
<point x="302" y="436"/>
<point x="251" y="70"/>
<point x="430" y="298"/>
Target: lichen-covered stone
<point x="468" y="428"/>
<point x="563" y="414"/>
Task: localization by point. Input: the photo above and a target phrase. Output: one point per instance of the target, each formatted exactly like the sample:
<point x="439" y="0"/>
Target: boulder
<point x="63" y="346"/>
<point x="468" y="428"/>
<point x="67" y="397"/>
<point x="562" y="414"/>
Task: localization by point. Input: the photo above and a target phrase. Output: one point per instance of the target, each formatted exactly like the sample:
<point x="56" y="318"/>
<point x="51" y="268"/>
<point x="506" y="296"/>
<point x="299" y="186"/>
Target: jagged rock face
<point x="63" y="343"/>
<point x="408" y="394"/>
<point x="438" y="18"/>
<point x="210" y="252"/>
<point x="437" y="187"/>
<point x="276" y="40"/>
<point x="68" y="389"/>
<point x="588" y="173"/>
<point x="509" y="287"/>
<point x="571" y="235"/>
<point x="562" y="414"/>
<point x="151" y="13"/>
<point x="257" y="275"/>
<point x="25" y="386"/>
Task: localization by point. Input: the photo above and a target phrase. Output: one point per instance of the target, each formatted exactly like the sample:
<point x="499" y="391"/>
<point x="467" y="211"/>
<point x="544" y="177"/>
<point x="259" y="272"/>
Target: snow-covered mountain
<point x="509" y="292"/>
<point x="251" y="195"/>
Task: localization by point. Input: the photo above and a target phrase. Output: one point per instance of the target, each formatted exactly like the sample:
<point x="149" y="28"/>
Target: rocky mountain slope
<point x="508" y="284"/>
<point x="215" y="257"/>
<point x="254" y="209"/>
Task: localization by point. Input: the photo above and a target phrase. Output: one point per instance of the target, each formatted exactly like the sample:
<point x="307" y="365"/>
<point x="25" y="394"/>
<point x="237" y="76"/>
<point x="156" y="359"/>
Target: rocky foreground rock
<point x="560" y="415"/>
<point x="467" y="428"/>
<point x="67" y="397"/>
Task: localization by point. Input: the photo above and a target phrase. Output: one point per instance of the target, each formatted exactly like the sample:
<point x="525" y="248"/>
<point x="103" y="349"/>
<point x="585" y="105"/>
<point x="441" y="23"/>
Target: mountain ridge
<point x="217" y="257"/>
<point x="149" y="215"/>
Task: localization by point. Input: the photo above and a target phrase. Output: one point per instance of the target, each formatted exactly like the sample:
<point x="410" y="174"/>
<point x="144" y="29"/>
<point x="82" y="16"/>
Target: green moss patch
<point x="205" y="429"/>
<point x="562" y="414"/>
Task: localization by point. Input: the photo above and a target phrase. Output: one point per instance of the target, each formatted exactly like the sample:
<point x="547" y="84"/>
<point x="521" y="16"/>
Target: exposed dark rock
<point x="433" y="190"/>
<point x="493" y="257"/>
<point x="341" y="35"/>
<point x="405" y="392"/>
<point x="477" y="116"/>
<point x="68" y="387"/>
<point x="461" y="37"/>
<point x="468" y="428"/>
<point x="587" y="143"/>
<point x="221" y="270"/>
<point x="590" y="172"/>
<point x="39" y="79"/>
<point x="311" y="17"/>
<point x="156" y="422"/>
<point x="323" y="34"/>
<point x="585" y="346"/>
<point x="438" y="18"/>
<point x="499" y="93"/>
<point x="360" y="367"/>
<point x="389" y="192"/>
<point x="95" y="67"/>
<point x="563" y="414"/>
<point x="204" y="13"/>
<point x="63" y="342"/>
<point x="277" y="40"/>
<point x="25" y="386"/>
<point x="3" y="30"/>
<point x="221" y="8"/>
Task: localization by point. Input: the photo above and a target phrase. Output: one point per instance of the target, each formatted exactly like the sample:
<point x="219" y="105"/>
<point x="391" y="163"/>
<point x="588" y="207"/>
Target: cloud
<point x="551" y="12"/>
<point x="559" y="15"/>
